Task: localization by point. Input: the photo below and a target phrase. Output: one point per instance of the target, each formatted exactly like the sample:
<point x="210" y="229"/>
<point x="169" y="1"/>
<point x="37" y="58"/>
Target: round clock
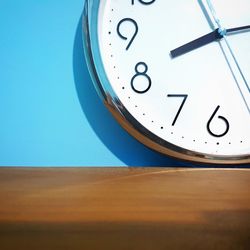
<point x="175" y="74"/>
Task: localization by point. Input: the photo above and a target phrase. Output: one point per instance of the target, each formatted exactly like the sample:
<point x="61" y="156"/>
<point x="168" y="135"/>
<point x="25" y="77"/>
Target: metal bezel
<point x="119" y="111"/>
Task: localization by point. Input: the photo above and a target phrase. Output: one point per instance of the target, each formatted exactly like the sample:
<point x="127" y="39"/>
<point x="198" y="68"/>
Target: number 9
<point x="124" y="37"/>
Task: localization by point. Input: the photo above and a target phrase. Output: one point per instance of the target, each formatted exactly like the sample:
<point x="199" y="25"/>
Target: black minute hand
<point x="238" y="29"/>
<point x="204" y="40"/>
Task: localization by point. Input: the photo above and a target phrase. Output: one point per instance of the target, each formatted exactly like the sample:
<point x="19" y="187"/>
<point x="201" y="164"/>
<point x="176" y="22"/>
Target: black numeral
<point x="141" y="70"/>
<point x="122" y="36"/>
<point x="143" y="2"/>
<point x="179" y="110"/>
<point x="219" y="117"/>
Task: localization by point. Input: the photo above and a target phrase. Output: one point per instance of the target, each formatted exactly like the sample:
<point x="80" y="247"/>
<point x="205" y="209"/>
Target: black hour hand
<point x="197" y="43"/>
<point x="206" y="39"/>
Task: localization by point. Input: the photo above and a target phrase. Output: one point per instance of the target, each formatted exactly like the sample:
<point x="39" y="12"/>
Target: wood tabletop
<point x="124" y="208"/>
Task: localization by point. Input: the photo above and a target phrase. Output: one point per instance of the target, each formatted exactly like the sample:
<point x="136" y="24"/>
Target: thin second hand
<point x="237" y="64"/>
<point x="216" y="19"/>
<point x="244" y="79"/>
<point x="223" y="33"/>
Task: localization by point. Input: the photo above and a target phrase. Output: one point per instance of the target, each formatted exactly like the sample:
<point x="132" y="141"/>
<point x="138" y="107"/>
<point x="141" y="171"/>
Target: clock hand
<point x="232" y="30"/>
<point x="204" y="40"/>
<point x="214" y="15"/>
<point x="240" y="87"/>
<point x="197" y="43"/>
<point x="246" y="98"/>
<point x="218" y="34"/>
<point x="217" y="20"/>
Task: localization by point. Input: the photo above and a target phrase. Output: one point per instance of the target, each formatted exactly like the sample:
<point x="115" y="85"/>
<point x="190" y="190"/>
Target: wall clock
<point x="175" y="74"/>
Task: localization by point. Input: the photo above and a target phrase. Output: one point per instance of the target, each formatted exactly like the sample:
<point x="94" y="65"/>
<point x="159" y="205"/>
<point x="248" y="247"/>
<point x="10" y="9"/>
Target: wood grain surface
<point x="124" y="208"/>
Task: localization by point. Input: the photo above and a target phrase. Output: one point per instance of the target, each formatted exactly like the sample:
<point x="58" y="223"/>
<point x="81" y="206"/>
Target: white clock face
<point x="199" y="100"/>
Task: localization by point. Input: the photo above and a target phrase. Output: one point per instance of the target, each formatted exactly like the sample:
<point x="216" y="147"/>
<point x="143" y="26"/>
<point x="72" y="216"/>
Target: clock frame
<point x="121" y="113"/>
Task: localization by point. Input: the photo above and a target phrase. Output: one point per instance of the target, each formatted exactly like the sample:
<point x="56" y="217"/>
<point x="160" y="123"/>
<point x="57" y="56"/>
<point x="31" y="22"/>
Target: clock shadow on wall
<point x="117" y="140"/>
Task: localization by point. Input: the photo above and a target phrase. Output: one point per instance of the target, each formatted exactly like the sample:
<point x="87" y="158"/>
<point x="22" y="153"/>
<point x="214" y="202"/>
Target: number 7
<point x="182" y="104"/>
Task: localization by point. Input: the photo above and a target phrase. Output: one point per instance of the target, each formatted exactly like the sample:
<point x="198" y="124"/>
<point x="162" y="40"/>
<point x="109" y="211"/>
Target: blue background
<point x="50" y="114"/>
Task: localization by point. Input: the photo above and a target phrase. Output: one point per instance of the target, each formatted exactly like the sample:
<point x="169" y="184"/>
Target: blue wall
<point x="50" y="114"/>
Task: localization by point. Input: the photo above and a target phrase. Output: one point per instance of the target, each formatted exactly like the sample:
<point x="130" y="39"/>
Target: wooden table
<point x="124" y="208"/>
